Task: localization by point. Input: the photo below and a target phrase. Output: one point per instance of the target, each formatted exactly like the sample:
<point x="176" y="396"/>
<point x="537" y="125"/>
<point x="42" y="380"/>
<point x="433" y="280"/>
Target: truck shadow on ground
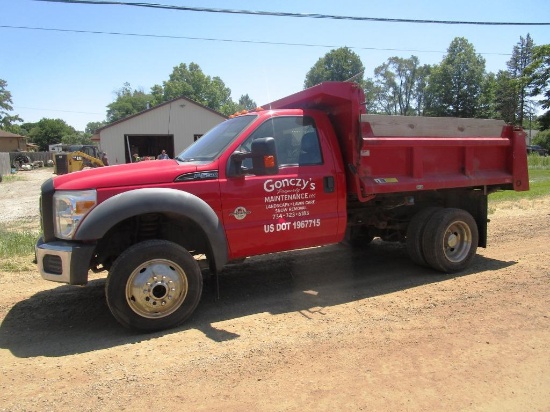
<point x="68" y="320"/>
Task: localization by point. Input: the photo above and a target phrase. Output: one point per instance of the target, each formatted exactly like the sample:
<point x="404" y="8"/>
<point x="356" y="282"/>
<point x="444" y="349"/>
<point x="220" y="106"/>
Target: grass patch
<point x="536" y="162"/>
<point x="12" y="178"/>
<point x="539" y="185"/>
<point x="15" y="244"/>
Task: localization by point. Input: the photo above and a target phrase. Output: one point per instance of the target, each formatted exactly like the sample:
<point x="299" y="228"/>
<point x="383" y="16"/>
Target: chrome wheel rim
<point x="457" y="241"/>
<point x="156" y="289"/>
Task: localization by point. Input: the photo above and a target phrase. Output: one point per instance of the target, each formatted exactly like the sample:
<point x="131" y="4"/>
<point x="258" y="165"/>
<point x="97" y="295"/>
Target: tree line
<point x="459" y="86"/>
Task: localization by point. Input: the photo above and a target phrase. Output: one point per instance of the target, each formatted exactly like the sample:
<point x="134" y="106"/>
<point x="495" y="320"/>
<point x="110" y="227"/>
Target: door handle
<point x="328" y="184"/>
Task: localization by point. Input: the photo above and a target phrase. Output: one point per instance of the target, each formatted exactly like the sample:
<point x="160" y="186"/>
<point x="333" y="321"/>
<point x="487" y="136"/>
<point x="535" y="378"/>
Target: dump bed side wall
<point x="404" y="154"/>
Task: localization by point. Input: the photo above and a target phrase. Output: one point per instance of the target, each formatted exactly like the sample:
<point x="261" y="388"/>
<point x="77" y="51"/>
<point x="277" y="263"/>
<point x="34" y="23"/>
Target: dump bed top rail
<point x="412" y="126"/>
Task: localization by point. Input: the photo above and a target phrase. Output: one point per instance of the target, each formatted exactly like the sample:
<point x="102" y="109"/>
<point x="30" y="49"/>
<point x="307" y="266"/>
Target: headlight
<point x="69" y="208"/>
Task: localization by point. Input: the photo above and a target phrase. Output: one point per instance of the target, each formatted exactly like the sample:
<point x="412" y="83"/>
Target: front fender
<point x="156" y="200"/>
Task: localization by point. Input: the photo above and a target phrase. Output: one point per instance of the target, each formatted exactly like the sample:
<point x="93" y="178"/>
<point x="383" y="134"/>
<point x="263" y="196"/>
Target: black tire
<point x="450" y="240"/>
<point x="415" y="233"/>
<point x="153" y="285"/>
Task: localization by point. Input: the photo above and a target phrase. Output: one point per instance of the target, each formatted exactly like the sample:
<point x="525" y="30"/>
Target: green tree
<point x="20" y="129"/>
<point x="192" y="83"/>
<point x="372" y="91"/>
<point x="421" y="87"/>
<point x="50" y="131"/>
<point x="246" y="103"/>
<point x="157" y="95"/>
<point x="337" y="65"/>
<point x="397" y="82"/>
<point x="91" y="127"/>
<point x="15" y="128"/>
<point x="386" y="90"/>
<point x="127" y="103"/>
<point x="6" y="120"/>
<point x="77" y="138"/>
<point x="544" y="121"/>
<point x="522" y="56"/>
<point x="543" y="139"/>
<point x="538" y="74"/>
<point x="506" y="98"/>
<point x="487" y="100"/>
<point x="455" y="85"/>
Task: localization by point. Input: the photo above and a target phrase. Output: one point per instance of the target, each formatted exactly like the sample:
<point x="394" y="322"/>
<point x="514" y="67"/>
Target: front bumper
<point x="65" y="262"/>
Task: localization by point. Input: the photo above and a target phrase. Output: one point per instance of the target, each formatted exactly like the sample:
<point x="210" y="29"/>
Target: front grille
<point x="52" y="264"/>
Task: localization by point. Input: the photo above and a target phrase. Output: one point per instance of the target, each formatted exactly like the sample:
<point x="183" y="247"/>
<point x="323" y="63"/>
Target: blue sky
<point x="73" y="76"/>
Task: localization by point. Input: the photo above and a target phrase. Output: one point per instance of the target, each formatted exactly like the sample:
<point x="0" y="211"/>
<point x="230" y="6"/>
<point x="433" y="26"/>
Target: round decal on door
<point x="240" y="213"/>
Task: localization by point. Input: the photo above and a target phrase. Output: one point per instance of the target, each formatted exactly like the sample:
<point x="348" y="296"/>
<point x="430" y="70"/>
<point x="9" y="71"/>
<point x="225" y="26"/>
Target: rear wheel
<point x="450" y="240"/>
<point x="153" y="285"/>
<point x="415" y="233"/>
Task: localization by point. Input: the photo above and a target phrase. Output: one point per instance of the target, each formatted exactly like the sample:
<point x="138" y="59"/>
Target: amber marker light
<point x="84" y="206"/>
<point x="269" y="161"/>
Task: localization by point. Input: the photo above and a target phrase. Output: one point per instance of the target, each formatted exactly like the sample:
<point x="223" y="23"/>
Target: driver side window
<point x="296" y="140"/>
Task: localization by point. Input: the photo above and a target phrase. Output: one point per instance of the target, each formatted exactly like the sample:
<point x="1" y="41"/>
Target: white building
<point x="58" y="147"/>
<point x="170" y="126"/>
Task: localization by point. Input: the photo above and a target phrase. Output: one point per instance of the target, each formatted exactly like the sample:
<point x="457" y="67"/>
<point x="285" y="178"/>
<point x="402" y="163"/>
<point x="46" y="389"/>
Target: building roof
<point x="158" y="107"/>
<point x="3" y="133"/>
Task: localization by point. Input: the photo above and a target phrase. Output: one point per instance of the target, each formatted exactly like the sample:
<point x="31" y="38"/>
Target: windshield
<point x="209" y="146"/>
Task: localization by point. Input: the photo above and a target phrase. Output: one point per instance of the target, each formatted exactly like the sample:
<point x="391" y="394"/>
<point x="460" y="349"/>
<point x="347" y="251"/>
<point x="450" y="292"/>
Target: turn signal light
<point x="269" y="161"/>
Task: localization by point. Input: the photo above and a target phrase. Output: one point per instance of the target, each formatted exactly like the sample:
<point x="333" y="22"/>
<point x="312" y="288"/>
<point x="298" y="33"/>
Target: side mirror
<point x="264" y="156"/>
<point x="264" y="159"/>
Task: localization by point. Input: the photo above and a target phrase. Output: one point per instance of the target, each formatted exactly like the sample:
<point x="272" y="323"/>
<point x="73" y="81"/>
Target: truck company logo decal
<point x="292" y="198"/>
<point x="240" y="213"/>
<point x="295" y="183"/>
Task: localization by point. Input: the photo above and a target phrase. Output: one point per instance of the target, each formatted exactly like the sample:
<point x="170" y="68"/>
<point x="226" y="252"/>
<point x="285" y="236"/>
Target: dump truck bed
<point x="388" y="154"/>
<point x="404" y="153"/>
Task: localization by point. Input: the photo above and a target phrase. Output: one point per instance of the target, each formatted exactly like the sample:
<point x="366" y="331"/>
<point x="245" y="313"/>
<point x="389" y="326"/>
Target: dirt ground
<point x="328" y="328"/>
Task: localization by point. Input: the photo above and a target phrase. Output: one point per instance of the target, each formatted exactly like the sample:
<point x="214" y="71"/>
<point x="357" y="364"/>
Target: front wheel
<point x="153" y="285"/>
<point x="450" y="240"/>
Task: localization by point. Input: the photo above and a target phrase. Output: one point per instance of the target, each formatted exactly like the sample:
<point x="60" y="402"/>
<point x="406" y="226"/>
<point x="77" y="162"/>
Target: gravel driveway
<point x="321" y="329"/>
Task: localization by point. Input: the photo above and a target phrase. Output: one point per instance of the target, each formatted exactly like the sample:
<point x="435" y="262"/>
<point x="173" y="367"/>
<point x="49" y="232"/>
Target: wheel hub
<point x="452" y="240"/>
<point x="159" y="290"/>
<point x="457" y="242"/>
<point x="156" y="288"/>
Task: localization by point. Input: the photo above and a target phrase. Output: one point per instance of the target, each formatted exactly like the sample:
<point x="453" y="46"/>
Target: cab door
<point x="296" y="208"/>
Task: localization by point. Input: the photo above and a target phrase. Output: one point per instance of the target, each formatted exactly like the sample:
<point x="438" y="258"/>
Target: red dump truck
<point x="307" y="170"/>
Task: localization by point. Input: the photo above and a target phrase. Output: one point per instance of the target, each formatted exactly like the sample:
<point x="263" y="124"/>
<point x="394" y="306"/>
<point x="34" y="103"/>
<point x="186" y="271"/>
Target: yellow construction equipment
<point x="77" y="157"/>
